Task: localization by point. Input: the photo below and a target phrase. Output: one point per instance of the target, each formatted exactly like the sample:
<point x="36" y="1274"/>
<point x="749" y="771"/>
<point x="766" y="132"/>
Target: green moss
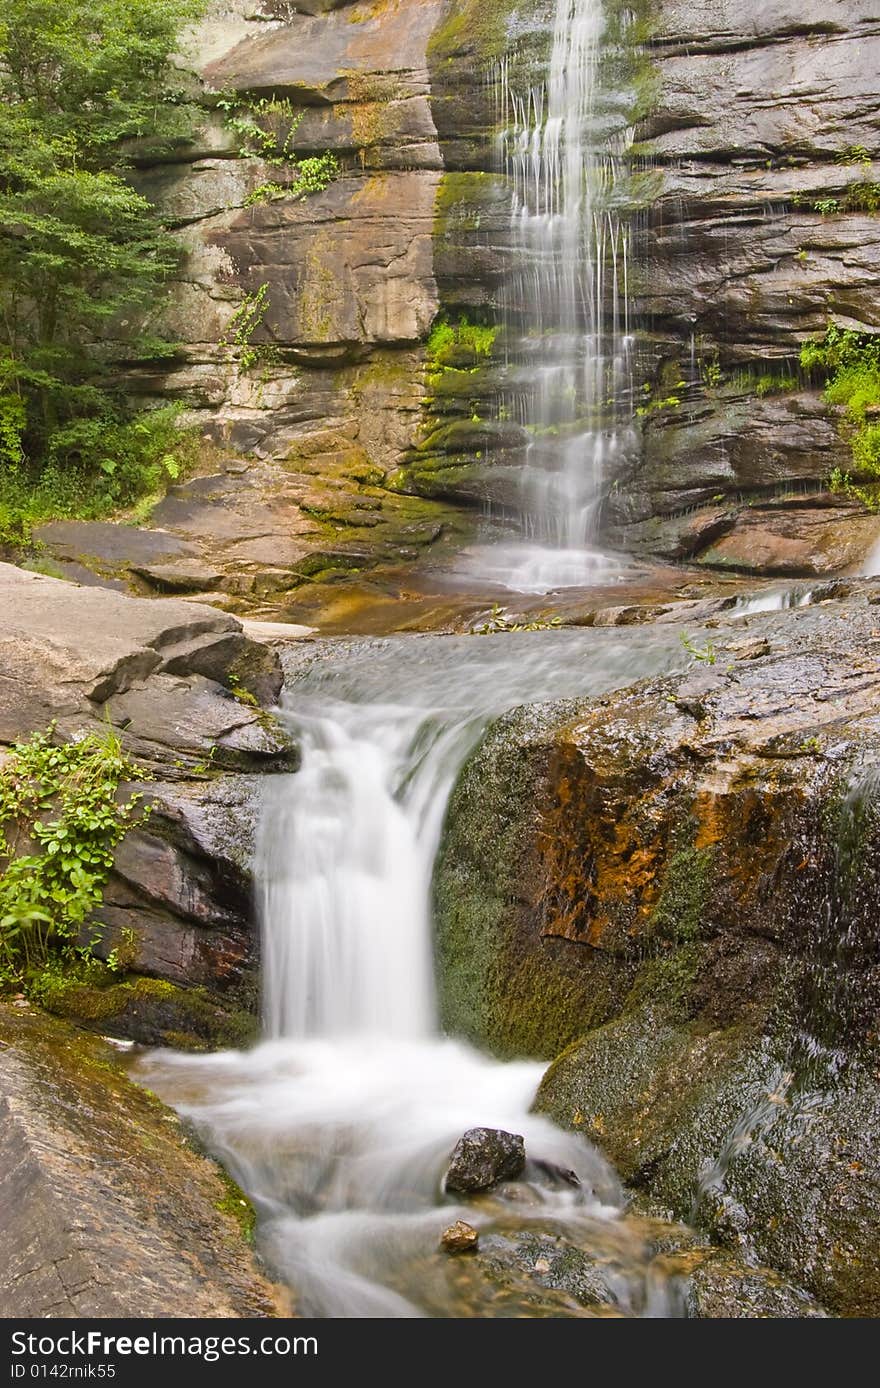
<point x="236" y="1204"/>
<point x="463" y="200"/>
<point x="687" y="881"/>
<point x="503" y="984"/>
<point x="460" y="344"/>
<point x="473" y="26"/>
<point x="664" y="982"/>
<point x="151" y="1010"/>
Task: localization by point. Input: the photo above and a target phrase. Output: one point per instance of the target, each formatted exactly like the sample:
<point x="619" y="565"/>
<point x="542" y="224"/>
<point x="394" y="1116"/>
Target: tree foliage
<point x="83" y="83"/>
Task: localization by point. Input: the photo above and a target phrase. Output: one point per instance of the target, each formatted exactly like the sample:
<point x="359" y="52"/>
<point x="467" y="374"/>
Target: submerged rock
<point x="482" y="1158"/>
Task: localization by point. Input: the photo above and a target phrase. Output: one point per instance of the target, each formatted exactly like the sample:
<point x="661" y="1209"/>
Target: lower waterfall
<point x="340" y="1125"/>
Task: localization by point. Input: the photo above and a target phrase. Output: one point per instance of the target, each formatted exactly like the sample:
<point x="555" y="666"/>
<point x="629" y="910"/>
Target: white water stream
<point x="341" y="1123"/>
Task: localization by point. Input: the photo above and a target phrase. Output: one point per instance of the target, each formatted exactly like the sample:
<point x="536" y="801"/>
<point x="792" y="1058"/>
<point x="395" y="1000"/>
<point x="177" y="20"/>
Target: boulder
<point x="181" y="685"/>
<point x="676" y="886"/>
<point x="482" y="1158"/>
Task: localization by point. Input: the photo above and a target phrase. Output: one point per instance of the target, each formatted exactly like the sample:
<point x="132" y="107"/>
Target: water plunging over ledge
<point x="340" y="1125"/>
<point x="566" y="310"/>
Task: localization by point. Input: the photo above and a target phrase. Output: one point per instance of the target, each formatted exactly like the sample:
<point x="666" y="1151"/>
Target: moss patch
<point x="149" y="1010"/>
<point x="687" y="882"/>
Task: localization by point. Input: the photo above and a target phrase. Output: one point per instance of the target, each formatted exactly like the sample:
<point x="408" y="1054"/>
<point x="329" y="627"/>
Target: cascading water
<point x="340" y="1124"/>
<point x="565" y="307"/>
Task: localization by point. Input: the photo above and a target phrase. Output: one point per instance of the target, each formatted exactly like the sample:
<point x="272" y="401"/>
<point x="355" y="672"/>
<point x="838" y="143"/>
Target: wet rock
<point x="186" y="576"/>
<point x="722" y="1290"/>
<point x="690" y="911"/>
<point x="482" y="1158"/>
<point x="459" y="1238"/>
<point x="589" y="1276"/>
<point x="106" y="1210"/>
<point x="111" y="547"/>
<point x="797" y="541"/>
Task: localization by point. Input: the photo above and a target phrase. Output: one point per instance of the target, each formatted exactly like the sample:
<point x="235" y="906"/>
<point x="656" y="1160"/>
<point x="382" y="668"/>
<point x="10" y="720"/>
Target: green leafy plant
<point x="850" y="362"/>
<point x="853" y="154"/>
<point x="255" y="124"/>
<point x="500" y="621"/>
<point x="707" y="655"/>
<point x="245" y="321"/>
<point x="265" y="130"/>
<point x="774" y="385"/>
<point x="266" y="192"/>
<point x="61" y="819"/>
<point x="863" y="196"/>
<point x="653" y="403"/>
<point x="712" y="373"/>
<point x="94" y="467"/>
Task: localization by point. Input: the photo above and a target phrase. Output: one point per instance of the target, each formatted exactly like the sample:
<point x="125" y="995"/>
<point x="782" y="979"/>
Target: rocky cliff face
<point x="763" y="120"/>
<point x="743" y="122"/>
<point x="348" y="437"/>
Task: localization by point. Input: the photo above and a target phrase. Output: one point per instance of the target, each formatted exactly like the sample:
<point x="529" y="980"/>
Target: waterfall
<point x="345" y="861"/>
<point x="340" y="1124"/>
<point x="566" y="301"/>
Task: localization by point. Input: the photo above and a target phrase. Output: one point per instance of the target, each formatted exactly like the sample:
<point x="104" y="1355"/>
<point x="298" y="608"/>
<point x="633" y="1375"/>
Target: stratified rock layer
<point x="761" y="123"/>
<point x="181" y="685"/>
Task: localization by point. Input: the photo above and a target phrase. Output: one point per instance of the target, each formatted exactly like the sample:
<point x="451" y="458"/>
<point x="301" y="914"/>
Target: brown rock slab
<point x="106" y="1211"/>
<point x="800" y="541"/>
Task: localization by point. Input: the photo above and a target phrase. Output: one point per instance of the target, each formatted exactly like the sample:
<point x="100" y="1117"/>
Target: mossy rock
<point x="151" y="1011"/>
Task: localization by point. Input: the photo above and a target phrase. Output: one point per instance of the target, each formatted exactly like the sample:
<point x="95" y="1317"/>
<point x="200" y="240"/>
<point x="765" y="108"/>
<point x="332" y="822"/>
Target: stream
<point x="340" y="1124"/>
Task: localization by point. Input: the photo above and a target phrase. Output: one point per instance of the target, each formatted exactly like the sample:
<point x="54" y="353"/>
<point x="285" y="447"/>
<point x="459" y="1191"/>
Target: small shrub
<point x="256" y="126"/>
<point x="60" y="823"/>
<point x="94" y="467"/>
<point x="851" y="363"/>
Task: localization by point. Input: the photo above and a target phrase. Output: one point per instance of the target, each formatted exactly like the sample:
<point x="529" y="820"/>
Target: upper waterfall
<point x="566" y="298"/>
